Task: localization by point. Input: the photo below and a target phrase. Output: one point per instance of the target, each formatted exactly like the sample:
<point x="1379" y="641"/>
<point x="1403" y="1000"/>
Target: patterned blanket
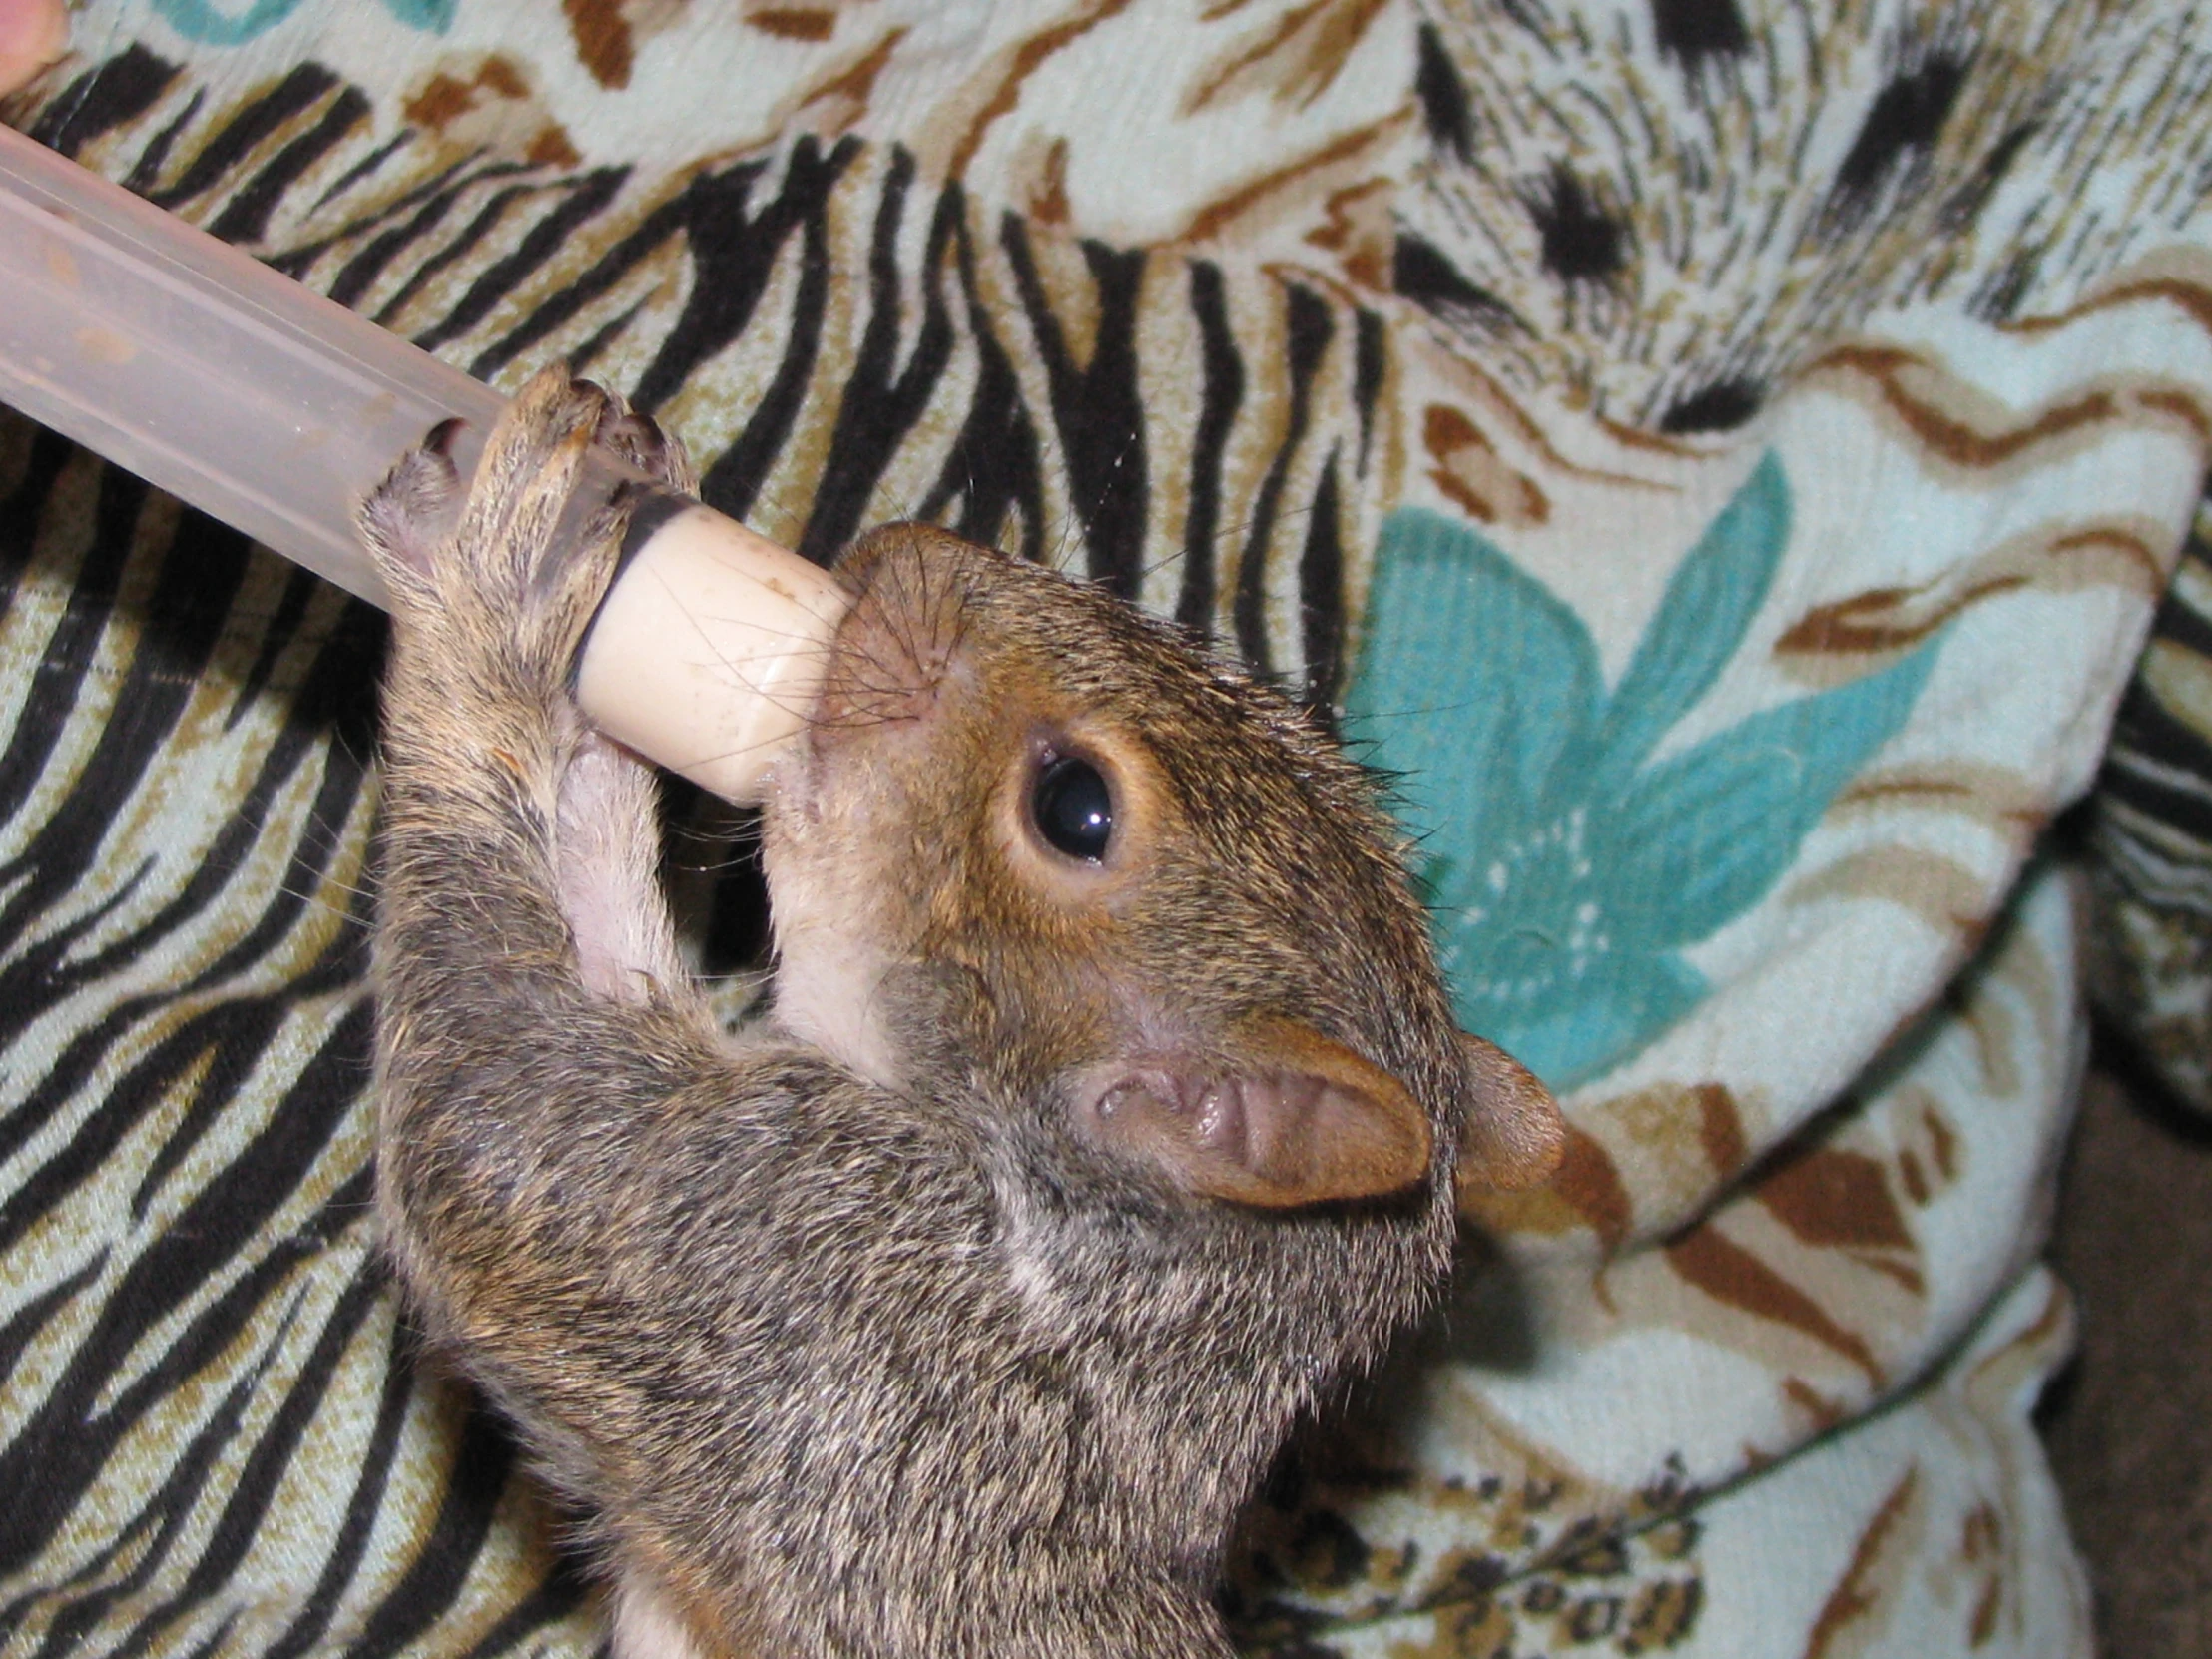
<point x="1723" y="457"/>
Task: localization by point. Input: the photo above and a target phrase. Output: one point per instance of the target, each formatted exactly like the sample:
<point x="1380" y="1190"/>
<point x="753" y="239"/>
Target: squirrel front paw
<point x="513" y="569"/>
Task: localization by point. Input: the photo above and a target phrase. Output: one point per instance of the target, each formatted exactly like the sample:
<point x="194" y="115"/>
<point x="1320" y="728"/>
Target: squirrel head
<point x="1039" y="837"/>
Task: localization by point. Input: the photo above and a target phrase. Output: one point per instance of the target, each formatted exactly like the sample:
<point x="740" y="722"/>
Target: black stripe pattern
<point x="2150" y="842"/>
<point x="214" y="1433"/>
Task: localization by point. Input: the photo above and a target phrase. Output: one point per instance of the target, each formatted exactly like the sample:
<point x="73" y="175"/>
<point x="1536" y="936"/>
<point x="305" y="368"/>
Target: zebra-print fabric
<point x="990" y="374"/>
<point x="2150" y="834"/>
<point x="214" y="1433"/>
<point x="181" y="952"/>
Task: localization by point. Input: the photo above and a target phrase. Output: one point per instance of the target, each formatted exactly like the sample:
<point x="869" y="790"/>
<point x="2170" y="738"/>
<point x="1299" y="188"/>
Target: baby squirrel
<point x="1106" y="1117"/>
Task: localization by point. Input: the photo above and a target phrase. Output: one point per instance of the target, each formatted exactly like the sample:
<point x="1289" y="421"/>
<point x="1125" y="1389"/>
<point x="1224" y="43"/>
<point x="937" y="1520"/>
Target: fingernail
<point x="33" y="33"/>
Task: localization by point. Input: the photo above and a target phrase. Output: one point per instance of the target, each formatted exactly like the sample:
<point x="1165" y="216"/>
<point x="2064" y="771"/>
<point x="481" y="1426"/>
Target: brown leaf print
<point x="808" y="23"/>
<point x="1981" y="1549"/>
<point x="1045" y="196"/>
<point x="1884" y="1554"/>
<point x="2176" y="277"/>
<point x="1471" y="473"/>
<point x="1992" y="798"/>
<point x="1679" y="1142"/>
<point x="1473" y="387"/>
<point x="1964" y="429"/>
<point x="1928" y="1164"/>
<point x="603" y="43"/>
<point x="1822" y="1412"/>
<point x="1725" y="1271"/>
<point x="1024" y="61"/>
<point x="836" y="106"/>
<point x="445" y="97"/>
<point x="1294" y="60"/>
<point x="1287" y="191"/>
<point x="489" y="102"/>
<point x="1358" y="228"/>
<point x="1586" y="1191"/>
<point x="1836" y="1199"/>
<point x="1720" y="1129"/>
<point x="1991" y="1556"/>
<point x="1948" y="895"/>
<point x="1832" y="1199"/>
<point x="1833" y="643"/>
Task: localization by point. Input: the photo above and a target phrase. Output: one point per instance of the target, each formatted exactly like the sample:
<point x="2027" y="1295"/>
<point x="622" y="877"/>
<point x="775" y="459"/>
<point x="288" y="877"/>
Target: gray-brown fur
<point x="908" y="1322"/>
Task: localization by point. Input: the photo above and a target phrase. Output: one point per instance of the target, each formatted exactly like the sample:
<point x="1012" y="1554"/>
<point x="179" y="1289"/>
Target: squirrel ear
<point x="1297" y="1119"/>
<point x="1515" y="1136"/>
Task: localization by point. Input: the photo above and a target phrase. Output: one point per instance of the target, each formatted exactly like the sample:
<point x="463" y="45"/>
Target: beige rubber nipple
<point x="709" y="649"/>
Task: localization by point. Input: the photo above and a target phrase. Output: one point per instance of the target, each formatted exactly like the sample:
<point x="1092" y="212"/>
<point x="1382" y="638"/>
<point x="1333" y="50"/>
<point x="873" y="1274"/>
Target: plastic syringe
<point x="276" y="410"/>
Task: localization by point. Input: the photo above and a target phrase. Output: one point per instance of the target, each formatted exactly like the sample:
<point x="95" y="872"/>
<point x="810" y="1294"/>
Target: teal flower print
<point x="212" y="24"/>
<point x="1567" y="867"/>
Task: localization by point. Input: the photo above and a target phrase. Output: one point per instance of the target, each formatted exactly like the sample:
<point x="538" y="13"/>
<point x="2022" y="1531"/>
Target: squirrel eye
<point x="1073" y="808"/>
